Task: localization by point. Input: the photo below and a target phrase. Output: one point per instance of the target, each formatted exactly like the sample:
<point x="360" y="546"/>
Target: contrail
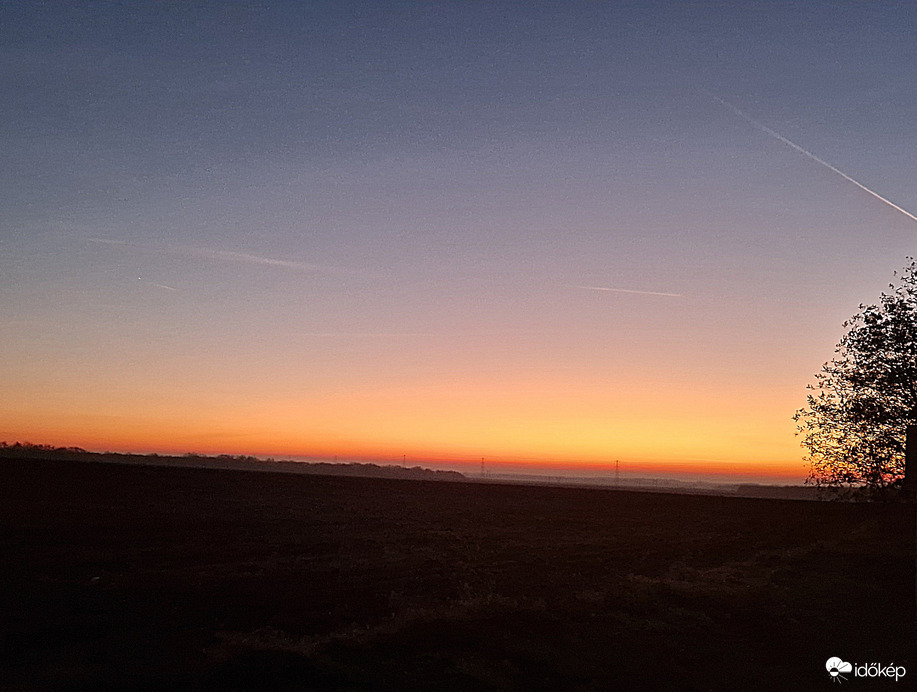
<point x="629" y="290"/>
<point x="374" y="335"/>
<point x="106" y="241"/>
<point x="229" y="256"/>
<point x="778" y="136"/>
<point x="153" y="283"/>
<point x="207" y="253"/>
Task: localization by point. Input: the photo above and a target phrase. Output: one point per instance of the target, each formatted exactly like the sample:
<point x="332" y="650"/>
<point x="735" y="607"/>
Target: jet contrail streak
<point x="153" y="283"/>
<point x="778" y="136"/>
<point x="105" y="241"/>
<point x="230" y="256"/>
<point x="252" y="259"/>
<point x="629" y="290"/>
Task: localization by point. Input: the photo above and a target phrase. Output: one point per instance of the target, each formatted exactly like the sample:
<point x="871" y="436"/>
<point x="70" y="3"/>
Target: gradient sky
<point x="376" y="229"/>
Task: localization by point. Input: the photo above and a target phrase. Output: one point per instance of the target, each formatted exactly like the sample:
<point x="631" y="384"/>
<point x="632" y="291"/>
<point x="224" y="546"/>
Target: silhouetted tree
<point x="855" y="420"/>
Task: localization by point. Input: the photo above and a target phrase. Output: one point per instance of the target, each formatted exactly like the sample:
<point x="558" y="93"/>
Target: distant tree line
<point x="46" y="448"/>
<point x="241" y="462"/>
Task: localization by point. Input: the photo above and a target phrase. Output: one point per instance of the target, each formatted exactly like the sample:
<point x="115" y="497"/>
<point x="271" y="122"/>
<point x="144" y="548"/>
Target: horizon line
<point x="574" y="469"/>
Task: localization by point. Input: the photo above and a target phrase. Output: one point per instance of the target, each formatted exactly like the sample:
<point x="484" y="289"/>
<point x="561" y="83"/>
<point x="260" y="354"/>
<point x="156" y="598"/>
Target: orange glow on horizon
<point x="514" y="423"/>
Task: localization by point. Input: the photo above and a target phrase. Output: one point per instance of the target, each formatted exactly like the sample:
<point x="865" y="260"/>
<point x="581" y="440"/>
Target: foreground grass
<point x="132" y="577"/>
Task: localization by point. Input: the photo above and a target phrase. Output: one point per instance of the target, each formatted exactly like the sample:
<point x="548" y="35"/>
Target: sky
<point x="552" y="235"/>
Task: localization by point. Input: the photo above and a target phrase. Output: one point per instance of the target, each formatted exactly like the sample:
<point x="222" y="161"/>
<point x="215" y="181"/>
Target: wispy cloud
<point x="231" y="256"/>
<point x="630" y="290"/>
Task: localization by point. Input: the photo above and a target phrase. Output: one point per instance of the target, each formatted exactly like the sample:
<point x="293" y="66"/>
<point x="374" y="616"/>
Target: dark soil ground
<point x="134" y="577"/>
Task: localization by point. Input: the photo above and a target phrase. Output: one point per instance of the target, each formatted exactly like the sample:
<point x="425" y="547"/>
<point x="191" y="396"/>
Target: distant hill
<point x="780" y="492"/>
<point x="663" y="485"/>
<point x="229" y="462"/>
<point x="225" y="461"/>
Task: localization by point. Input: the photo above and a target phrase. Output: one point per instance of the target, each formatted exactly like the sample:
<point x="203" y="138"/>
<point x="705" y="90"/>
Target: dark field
<point x="132" y="577"/>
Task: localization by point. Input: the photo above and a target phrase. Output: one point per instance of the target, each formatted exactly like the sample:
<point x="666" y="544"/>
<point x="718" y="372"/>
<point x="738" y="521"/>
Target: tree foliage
<point x="857" y="413"/>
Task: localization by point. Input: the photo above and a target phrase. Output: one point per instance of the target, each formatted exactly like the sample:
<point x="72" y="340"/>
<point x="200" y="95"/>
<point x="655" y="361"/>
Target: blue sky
<point x="251" y="226"/>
